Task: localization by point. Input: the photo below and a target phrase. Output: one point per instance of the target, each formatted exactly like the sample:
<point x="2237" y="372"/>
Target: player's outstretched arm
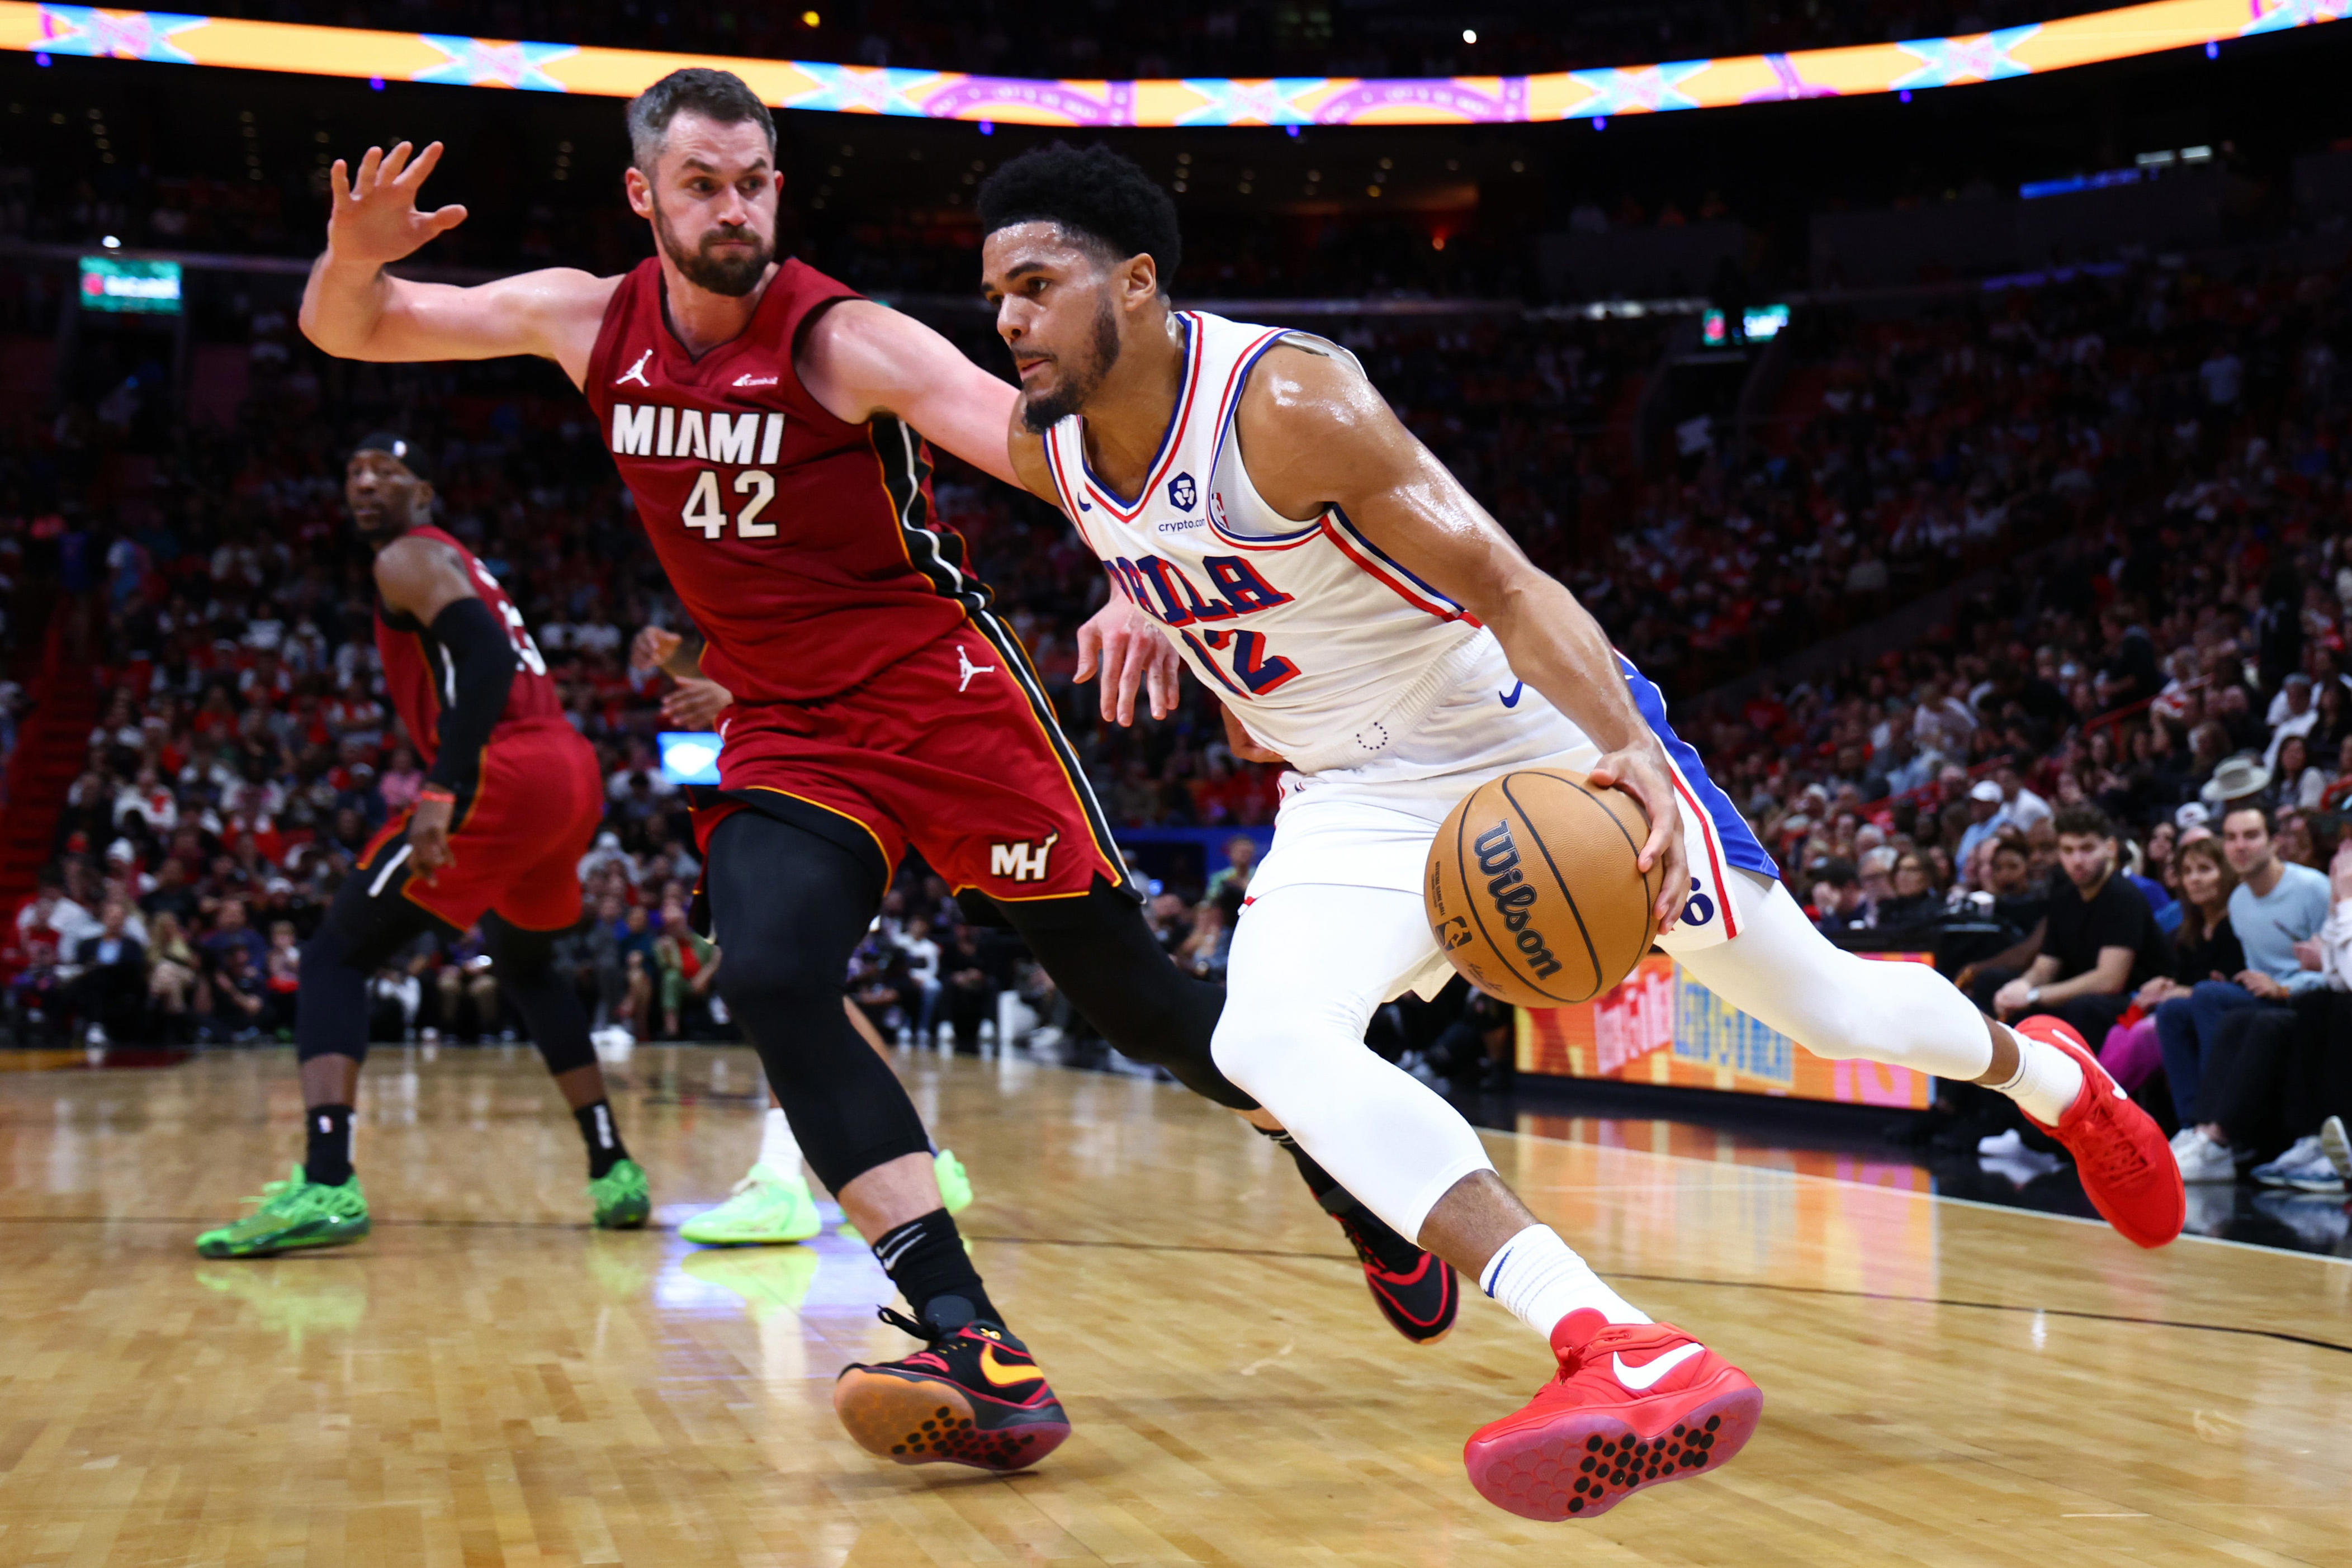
<point x="354" y="311"/>
<point x="860" y="359"/>
<point x="1317" y="434"/>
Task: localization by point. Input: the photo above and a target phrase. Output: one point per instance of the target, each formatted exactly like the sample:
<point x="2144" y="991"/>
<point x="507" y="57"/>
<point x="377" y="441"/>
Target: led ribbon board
<point x="1863" y="69"/>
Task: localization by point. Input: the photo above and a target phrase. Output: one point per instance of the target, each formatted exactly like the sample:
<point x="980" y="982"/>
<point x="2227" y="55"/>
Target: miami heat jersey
<point x="1320" y="644"/>
<point x="423" y="679"/>
<point x="804" y="547"/>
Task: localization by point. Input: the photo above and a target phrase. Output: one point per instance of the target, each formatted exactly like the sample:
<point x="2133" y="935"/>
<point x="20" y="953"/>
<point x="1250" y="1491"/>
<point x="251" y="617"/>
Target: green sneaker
<point x="955" y="1185"/>
<point x="768" y="1207"/>
<point x="955" y="1191"/>
<point x="293" y="1214"/>
<point x="621" y="1199"/>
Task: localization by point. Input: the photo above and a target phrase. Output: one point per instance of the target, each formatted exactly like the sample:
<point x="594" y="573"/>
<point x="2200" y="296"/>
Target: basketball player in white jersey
<point x="1364" y="620"/>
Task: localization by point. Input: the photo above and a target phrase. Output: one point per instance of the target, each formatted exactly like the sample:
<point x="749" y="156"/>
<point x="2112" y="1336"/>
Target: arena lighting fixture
<point x="47" y="31"/>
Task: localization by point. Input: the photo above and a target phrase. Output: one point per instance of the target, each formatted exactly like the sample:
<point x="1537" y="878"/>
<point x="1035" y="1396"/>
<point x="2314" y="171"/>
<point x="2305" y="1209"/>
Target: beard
<point x="732" y="277"/>
<point x="1040" y="411"/>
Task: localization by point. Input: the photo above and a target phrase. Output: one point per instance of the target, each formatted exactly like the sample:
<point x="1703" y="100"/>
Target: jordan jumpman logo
<point x="635" y="373"/>
<point x="970" y="669"/>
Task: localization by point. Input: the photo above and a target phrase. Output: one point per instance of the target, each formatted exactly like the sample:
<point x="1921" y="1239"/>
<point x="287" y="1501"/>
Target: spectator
<point x="281" y="976"/>
<point x="2274" y="906"/>
<point x="238" y="1005"/>
<point x="175" y="970"/>
<point x="1839" y="903"/>
<point x="688" y="965"/>
<point x="1241" y="860"/>
<point x="1984" y="807"/>
<point x="2204" y="947"/>
<point x="111" y="989"/>
<point x="2295" y="784"/>
<point x="1914" y="905"/>
<point x="2097" y="944"/>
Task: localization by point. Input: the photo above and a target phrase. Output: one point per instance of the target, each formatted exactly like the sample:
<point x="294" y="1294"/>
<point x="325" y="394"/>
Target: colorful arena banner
<point x="1662" y="1027"/>
<point x="1906" y="68"/>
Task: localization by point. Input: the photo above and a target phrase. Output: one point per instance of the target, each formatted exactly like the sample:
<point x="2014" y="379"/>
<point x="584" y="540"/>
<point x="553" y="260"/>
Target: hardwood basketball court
<point x="485" y="1380"/>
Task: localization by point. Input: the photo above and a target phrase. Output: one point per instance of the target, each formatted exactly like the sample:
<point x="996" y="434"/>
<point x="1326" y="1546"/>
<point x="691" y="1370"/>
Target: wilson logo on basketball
<point x="1499" y="858"/>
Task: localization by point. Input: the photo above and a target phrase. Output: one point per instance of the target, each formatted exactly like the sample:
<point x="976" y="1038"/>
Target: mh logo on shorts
<point x="1498" y="857"/>
<point x="1021" y="862"/>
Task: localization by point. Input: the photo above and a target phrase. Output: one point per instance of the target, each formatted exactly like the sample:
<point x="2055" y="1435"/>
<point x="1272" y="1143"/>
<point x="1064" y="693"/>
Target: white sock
<point x="2047" y="1080"/>
<point x="1535" y="1275"/>
<point x="778" y="1149"/>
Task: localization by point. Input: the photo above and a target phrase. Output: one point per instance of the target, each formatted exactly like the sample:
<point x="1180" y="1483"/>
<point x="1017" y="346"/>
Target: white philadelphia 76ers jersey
<point x="1318" y="642"/>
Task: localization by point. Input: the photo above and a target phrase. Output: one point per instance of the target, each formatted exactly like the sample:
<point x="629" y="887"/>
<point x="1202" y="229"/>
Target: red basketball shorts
<point x="953" y="752"/>
<point x="517" y="844"/>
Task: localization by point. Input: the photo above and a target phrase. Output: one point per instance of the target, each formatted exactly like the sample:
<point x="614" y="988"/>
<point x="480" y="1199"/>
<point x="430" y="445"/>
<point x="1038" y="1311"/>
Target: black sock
<point x="329" y="1158"/>
<point x="925" y="1260"/>
<point x="602" y="1136"/>
<point x="1395" y="1253"/>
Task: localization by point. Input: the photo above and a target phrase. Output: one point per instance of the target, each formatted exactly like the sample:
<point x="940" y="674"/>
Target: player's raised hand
<point x="375" y="219"/>
<point x="697" y="702"/>
<point x="1131" y="654"/>
<point x="1643" y="773"/>
<point x="651" y="648"/>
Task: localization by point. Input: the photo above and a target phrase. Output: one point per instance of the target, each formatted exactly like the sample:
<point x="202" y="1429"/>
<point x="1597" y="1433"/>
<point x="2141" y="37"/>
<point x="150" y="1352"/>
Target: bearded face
<point x="1076" y="374"/>
<point x="729" y="258"/>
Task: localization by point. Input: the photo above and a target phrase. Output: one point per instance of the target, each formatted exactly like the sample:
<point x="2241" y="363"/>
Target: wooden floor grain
<point x="486" y="1381"/>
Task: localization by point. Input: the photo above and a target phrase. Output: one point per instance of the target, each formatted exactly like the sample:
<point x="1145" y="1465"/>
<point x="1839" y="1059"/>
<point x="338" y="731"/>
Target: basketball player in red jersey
<point x="511" y="799"/>
<point x="766" y="419"/>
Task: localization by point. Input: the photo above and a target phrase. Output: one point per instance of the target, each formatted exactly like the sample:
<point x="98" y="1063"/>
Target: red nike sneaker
<point x="976" y="1397"/>
<point x="1417" y="1291"/>
<point x="2127" y="1169"/>
<point x="1635" y="1405"/>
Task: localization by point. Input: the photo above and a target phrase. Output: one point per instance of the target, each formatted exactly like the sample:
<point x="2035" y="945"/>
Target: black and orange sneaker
<point x="1417" y="1291"/>
<point x="973" y="1396"/>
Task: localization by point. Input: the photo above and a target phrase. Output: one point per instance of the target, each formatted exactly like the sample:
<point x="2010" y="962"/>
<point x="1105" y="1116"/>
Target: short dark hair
<point x="2084" y="821"/>
<point x="1836" y="870"/>
<point x="2270" y="822"/>
<point x="721" y="95"/>
<point x="1093" y="194"/>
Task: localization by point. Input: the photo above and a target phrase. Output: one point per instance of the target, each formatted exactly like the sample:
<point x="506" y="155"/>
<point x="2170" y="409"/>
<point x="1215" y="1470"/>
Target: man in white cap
<point x="1984" y="810"/>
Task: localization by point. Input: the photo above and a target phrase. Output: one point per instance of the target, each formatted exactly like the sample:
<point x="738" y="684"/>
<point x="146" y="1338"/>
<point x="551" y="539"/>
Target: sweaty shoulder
<point x="419" y="577"/>
<point x="1029" y="460"/>
<point x="563" y="308"/>
<point x="1309" y="419"/>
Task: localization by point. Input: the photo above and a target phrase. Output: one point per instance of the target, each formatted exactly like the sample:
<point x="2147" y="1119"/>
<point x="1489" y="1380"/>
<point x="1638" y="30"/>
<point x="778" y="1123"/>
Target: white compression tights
<point x="1782" y="972"/>
<point x="1311" y="962"/>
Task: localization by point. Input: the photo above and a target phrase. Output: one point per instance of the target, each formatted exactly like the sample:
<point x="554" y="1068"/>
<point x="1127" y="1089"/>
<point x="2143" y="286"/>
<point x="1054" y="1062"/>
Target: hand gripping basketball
<point x="1534" y="888"/>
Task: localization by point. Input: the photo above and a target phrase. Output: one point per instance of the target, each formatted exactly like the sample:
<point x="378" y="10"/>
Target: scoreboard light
<point x="1758" y="323"/>
<point x="131" y="285"/>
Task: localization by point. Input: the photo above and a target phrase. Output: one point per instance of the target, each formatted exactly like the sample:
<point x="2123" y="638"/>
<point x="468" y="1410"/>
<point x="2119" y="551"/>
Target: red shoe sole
<point x="1582" y="1463"/>
<point x="927" y="1421"/>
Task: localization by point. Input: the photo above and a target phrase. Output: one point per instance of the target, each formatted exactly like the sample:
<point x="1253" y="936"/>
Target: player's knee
<point x="1277" y="1051"/>
<point x="769" y="988"/>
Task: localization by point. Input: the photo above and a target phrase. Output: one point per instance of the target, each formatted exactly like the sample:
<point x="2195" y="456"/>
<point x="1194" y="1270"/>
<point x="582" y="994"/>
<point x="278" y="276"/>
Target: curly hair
<point x="1097" y="197"/>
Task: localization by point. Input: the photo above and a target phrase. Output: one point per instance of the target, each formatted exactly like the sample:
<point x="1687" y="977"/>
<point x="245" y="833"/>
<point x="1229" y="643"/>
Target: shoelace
<point x="750" y="1180"/>
<point x="929" y="1333"/>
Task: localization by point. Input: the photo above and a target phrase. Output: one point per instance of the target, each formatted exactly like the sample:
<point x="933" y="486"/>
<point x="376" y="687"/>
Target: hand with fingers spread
<point x="375" y="220"/>
<point x="1130" y="654"/>
<point x="1643" y="773"/>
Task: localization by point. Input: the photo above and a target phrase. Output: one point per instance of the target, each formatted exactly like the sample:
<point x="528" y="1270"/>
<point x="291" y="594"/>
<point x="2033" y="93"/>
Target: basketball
<point x="1532" y="889"/>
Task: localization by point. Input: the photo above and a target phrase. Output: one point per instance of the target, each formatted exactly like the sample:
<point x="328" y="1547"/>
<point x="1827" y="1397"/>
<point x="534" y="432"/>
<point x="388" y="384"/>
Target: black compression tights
<point x="1101" y="954"/>
<point x="787" y="909"/>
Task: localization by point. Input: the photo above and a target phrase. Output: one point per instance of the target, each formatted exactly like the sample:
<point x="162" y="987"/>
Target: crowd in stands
<point x="2152" y="457"/>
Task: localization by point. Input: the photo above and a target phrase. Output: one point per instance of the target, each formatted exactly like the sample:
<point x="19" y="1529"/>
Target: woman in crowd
<point x="2204" y="948"/>
<point x="2296" y="784"/>
<point x="1915" y="903"/>
<point x="174" y="972"/>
